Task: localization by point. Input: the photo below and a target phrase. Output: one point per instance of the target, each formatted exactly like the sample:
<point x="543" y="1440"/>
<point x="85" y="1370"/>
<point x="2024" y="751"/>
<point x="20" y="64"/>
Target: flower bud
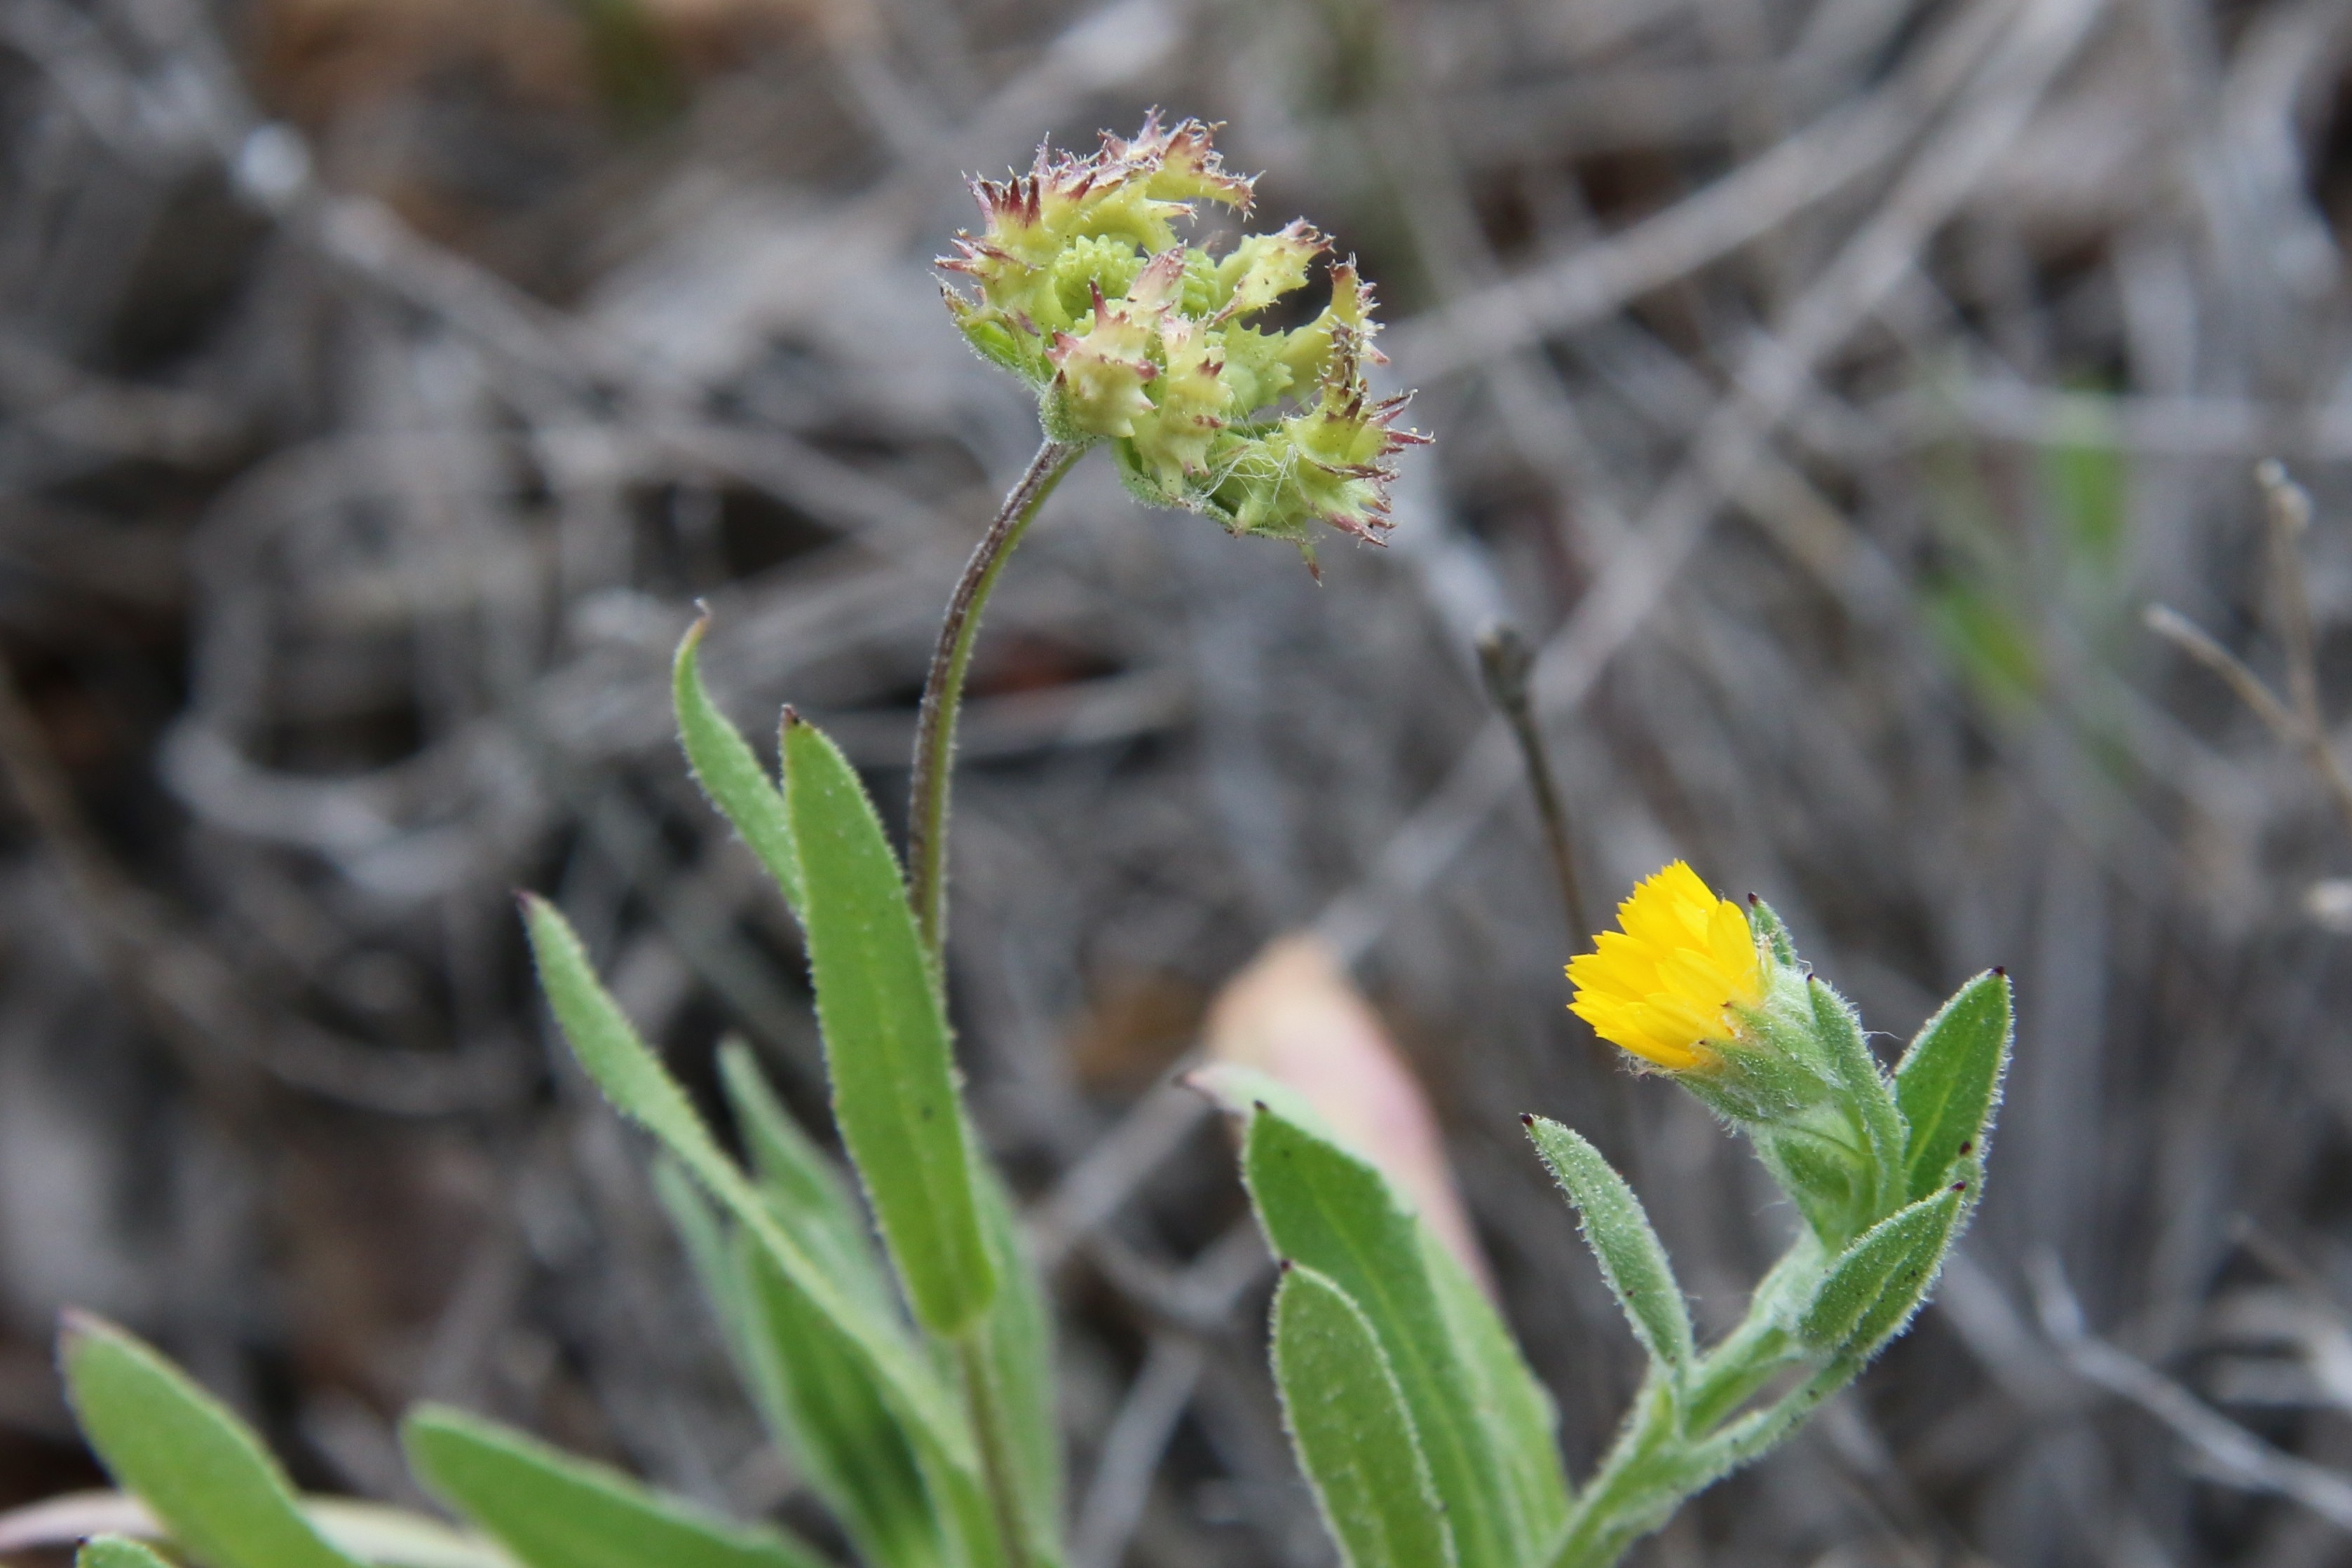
<point x="1689" y="987"/>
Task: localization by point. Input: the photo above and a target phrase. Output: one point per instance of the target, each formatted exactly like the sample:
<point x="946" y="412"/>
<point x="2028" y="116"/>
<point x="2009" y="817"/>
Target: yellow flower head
<point x="1669" y="982"/>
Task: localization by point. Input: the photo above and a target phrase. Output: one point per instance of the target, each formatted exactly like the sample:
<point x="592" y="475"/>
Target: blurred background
<point x="1826" y="387"/>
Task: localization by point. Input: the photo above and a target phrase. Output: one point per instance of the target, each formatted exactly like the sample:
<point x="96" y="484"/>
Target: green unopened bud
<point x="1131" y="337"/>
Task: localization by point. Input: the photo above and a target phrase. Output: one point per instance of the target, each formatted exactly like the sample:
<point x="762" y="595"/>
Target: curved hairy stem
<point x="927" y="823"/>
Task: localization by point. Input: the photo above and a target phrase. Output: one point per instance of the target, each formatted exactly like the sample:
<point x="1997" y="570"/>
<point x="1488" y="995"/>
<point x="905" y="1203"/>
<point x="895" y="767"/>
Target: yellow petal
<point x="1667" y="981"/>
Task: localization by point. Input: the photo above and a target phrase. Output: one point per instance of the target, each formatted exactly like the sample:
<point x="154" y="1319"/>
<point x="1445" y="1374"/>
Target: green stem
<point x="994" y="1443"/>
<point x="1754" y="1354"/>
<point x="1752" y="1437"/>
<point x="1679" y="1441"/>
<point x="927" y="823"/>
<point x="1597" y="1532"/>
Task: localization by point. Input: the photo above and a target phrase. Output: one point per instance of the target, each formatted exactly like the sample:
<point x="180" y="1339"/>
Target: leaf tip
<point x="74" y="1326"/>
<point x="684" y="673"/>
<point x="1207" y="1082"/>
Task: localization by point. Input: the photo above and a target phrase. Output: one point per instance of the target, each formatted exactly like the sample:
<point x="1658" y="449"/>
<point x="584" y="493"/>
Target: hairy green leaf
<point x="729" y="770"/>
<point x="1948" y="1082"/>
<point x="204" y="1477"/>
<point x="826" y="1410"/>
<point x="805" y="1186"/>
<point x="637" y="1084"/>
<point x="1868" y="1098"/>
<point x="1826" y="1179"/>
<point x="116" y="1551"/>
<point x="1876" y="1284"/>
<point x="1017" y="1348"/>
<point x="553" y="1510"/>
<point x="1355" y="1437"/>
<point x="886" y="1039"/>
<point x="1618" y="1231"/>
<point x="1327" y="1208"/>
<point x="398" y="1538"/>
<point x="1510" y="1402"/>
<point x="1515" y="1407"/>
<point x="711" y="1254"/>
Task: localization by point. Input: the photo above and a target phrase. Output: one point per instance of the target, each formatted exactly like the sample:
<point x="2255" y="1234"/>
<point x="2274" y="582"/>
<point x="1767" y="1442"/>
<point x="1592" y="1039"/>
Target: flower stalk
<point x="935" y="722"/>
<point x="1134" y="341"/>
<point x="993" y="1442"/>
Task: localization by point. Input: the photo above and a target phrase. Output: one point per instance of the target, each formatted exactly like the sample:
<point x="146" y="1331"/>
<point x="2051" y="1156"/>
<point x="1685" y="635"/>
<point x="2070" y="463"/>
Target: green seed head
<point x="1131" y="337"/>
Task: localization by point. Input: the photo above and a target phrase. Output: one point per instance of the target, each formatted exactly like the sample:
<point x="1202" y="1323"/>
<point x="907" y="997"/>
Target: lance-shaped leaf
<point x="552" y="1511"/>
<point x="200" y="1471"/>
<point x="1948" y="1082"/>
<point x="636" y="1081"/>
<point x="901" y="1505"/>
<point x="709" y="1253"/>
<point x="828" y="1414"/>
<point x="1517" y="1413"/>
<point x="1326" y="1209"/>
<point x="1618" y="1231"/>
<point x="1017" y="1352"/>
<point x="1878" y="1282"/>
<point x="805" y="1186"/>
<point x="1868" y="1099"/>
<point x="730" y="771"/>
<point x="398" y="1538"/>
<point x="1354" y="1435"/>
<point x="372" y="1533"/>
<point x="1827" y="1178"/>
<point x="1515" y="1410"/>
<point x="116" y="1551"/>
<point x="886" y="1039"/>
<point x="809" y="1384"/>
<point x="893" y="1497"/>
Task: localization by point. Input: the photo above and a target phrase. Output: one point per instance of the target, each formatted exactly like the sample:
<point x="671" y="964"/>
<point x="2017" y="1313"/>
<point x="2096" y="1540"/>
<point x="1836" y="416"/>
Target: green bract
<point x="1134" y="338"/>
